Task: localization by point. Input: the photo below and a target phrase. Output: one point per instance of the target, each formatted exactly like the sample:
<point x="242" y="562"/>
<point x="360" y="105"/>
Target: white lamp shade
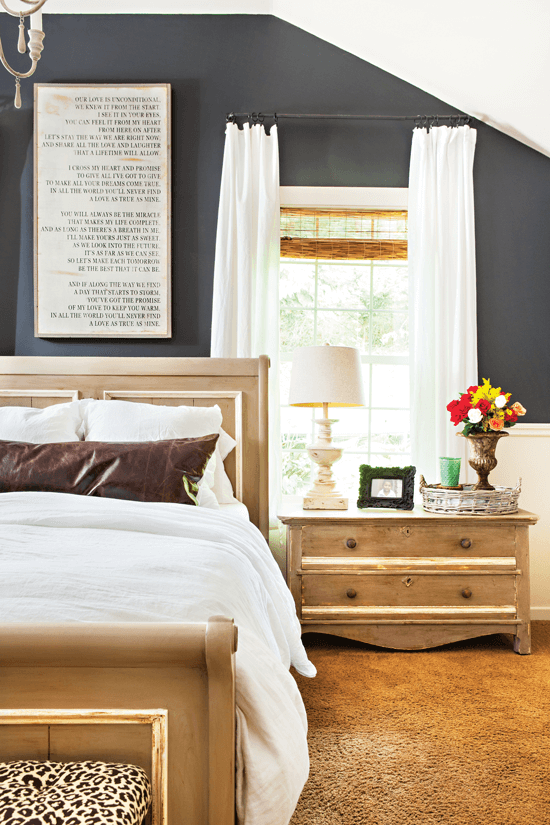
<point x="326" y="375"/>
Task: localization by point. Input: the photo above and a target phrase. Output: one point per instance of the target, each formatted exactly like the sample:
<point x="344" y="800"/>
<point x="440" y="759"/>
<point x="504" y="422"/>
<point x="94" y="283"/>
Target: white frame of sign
<point x="102" y="217"/>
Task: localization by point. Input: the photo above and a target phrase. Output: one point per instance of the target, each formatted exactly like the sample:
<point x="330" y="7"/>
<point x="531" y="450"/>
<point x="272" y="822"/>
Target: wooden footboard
<point x="186" y="669"/>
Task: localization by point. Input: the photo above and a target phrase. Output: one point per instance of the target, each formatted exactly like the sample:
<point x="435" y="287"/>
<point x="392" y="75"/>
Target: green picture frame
<point x="389" y="487"/>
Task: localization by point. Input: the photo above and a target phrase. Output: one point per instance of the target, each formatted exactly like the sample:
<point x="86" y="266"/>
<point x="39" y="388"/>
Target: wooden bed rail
<point x="188" y="669"/>
<point x="124" y="644"/>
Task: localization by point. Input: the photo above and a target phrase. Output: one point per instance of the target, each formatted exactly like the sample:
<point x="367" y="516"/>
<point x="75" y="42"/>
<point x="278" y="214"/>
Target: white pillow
<point x="129" y="421"/>
<point x="57" y="423"/>
<point x="222" y="487"/>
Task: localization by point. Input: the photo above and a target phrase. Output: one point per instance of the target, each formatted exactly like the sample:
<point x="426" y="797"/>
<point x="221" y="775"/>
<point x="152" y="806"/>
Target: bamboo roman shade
<point x="343" y="234"/>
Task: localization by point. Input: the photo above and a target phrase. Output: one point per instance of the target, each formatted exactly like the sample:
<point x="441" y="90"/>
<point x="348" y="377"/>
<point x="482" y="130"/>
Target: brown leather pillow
<point x="144" y="471"/>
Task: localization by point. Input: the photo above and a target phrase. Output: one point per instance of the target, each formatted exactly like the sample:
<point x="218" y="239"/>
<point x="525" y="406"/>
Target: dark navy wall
<point x="218" y="64"/>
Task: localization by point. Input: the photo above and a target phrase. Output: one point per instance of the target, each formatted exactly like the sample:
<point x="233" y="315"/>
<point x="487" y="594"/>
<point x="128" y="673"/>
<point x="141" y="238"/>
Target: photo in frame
<point x="390" y="487"/>
<point x="102" y="227"/>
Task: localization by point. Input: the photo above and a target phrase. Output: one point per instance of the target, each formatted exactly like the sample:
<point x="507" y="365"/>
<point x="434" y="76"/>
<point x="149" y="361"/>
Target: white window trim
<point x="348" y="197"/>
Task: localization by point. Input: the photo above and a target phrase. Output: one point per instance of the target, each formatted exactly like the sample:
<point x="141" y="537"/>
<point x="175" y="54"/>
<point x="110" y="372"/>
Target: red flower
<point x="483" y="405"/>
<point x="453" y="408"/>
<point x="473" y="389"/>
<point x="459" y="409"/>
<point x="511" y="416"/>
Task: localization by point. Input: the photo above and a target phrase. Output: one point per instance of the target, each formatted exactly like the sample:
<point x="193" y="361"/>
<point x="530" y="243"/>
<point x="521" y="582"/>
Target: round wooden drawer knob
<point x="351" y="593"/>
<point x="466" y="543"/>
<point x="351" y="544"/>
<point x="467" y="593"/>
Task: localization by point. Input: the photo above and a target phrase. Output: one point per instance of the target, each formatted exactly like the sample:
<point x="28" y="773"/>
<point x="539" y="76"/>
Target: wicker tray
<point x="467" y="501"/>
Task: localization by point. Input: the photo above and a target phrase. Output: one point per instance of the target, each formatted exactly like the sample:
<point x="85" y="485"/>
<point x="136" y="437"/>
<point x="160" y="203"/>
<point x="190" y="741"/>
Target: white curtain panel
<point x="245" y="311"/>
<point x="442" y="272"/>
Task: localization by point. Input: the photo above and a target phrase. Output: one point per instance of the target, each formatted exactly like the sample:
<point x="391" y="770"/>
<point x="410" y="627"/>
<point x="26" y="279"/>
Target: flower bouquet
<point x="485" y="412"/>
<point x="484" y="409"/>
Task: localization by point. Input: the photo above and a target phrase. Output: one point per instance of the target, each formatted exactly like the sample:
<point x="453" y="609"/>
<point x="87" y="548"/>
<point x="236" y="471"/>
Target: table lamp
<point x="321" y="377"/>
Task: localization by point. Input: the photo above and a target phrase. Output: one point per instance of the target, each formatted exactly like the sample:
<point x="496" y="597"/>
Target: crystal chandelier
<point x="36" y="36"/>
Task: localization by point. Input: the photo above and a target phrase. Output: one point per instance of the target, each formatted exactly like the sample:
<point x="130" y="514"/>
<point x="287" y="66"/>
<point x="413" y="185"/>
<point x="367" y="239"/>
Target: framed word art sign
<point x="102" y="211"/>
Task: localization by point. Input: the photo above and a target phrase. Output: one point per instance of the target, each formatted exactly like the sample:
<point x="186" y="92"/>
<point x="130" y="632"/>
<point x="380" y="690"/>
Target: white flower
<point x="500" y="401"/>
<point x="475" y="415"/>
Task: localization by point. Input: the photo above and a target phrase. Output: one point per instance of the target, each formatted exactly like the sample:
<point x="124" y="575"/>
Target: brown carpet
<point x="457" y="735"/>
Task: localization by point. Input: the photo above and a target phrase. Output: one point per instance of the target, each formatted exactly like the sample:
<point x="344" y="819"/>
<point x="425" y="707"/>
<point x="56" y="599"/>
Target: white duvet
<point x="72" y="558"/>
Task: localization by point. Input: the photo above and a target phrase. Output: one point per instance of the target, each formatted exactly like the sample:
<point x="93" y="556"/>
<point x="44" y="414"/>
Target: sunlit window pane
<point x="390" y="333"/>
<point x="296" y="428"/>
<point x="296" y="472"/>
<point x="356" y="302"/>
<point x="284" y="381"/>
<point x="351" y="432"/>
<point x="390" y="287"/>
<point x="390" y="385"/>
<point x="344" y="329"/>
<point x="390" y="460"/>
<point x="346" y="473"/>
<point x="343" y="285"/>
<point x="297" y="284"/>
<point x="390" y="429"/>
<point x="296" y="329"/>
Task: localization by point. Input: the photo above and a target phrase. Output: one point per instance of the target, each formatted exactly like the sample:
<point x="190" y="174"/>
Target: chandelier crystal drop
<point x="36" y="36"/>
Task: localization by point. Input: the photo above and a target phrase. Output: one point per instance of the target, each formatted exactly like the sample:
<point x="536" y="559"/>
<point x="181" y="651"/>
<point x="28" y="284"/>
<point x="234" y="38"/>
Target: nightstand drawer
<point x="431" y="618"/>
<point x="462" y="589"/>
<point x="402" y="539"/>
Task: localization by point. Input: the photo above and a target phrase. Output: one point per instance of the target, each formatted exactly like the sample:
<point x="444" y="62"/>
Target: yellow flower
<point x="487" y="392"/>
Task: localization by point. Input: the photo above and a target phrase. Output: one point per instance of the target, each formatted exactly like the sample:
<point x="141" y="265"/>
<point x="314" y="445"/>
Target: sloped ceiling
<point x="489" y="58"/>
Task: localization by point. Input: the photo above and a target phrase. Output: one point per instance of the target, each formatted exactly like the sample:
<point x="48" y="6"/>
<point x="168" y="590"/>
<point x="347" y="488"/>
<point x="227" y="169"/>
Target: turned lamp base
<point x="323" y="376"/>
<point x="323" y="495"/>
<point x="327" y="503"/>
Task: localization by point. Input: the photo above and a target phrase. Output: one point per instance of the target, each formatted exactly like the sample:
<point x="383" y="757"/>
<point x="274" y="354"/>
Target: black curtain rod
<point x="421" y="120"/>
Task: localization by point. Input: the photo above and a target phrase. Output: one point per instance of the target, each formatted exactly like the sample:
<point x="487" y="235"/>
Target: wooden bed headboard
<point x="237" y="385"/>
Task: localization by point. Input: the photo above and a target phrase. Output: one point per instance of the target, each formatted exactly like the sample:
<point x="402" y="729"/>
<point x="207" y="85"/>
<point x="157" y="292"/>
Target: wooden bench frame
<point x="155" y="719"/>
<point x="80" y="673"/>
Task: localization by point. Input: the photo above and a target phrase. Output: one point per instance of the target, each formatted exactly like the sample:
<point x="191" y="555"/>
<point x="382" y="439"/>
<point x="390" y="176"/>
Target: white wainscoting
<point x="526" y="455"/>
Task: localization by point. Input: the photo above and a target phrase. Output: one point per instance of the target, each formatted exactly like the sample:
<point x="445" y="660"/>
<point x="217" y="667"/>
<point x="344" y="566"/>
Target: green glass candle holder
<point x="450" y="471"/>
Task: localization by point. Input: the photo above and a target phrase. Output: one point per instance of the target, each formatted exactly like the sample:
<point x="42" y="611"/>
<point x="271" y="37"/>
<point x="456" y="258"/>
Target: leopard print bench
<point x="79" y="793"/>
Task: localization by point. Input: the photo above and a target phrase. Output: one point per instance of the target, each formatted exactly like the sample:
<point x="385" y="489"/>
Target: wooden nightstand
<point x="410" y="579"/>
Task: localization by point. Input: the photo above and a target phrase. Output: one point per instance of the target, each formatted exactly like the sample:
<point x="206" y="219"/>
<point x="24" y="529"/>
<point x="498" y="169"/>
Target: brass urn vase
<point x="482" y="459"/>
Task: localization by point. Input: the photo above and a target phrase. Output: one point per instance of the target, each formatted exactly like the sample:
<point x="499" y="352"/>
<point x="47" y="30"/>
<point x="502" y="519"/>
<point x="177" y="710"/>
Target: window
<point x="344" y="281"/>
